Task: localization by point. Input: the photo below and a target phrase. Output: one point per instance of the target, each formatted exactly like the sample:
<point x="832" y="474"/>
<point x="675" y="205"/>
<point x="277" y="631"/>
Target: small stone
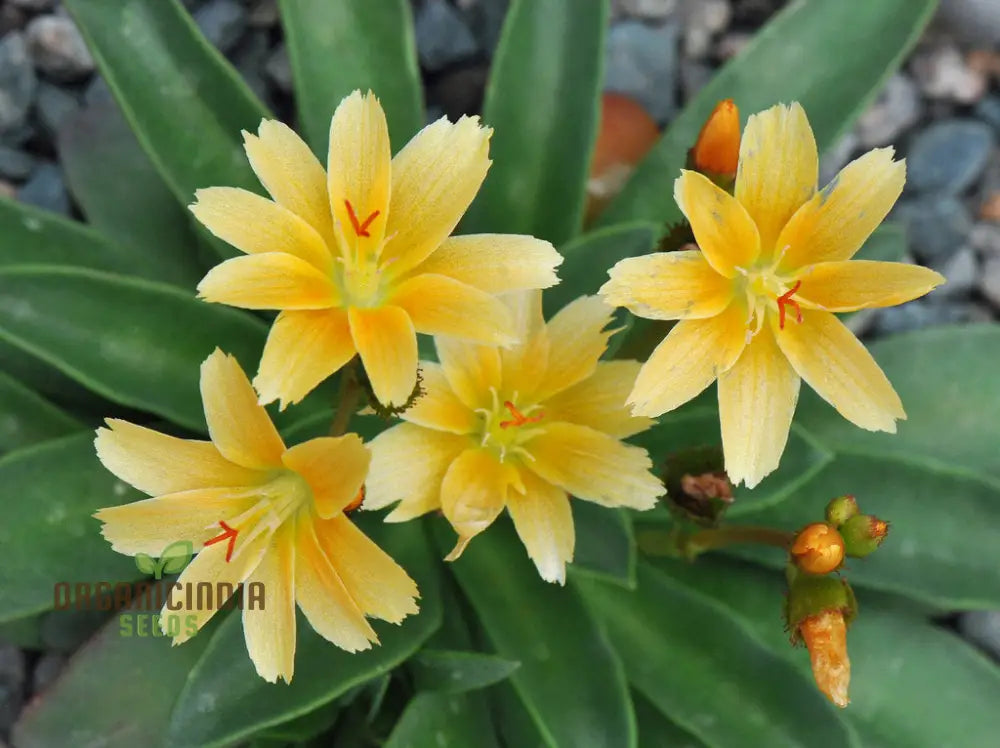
<point x="13" y="674"/>
<point x="279" y="69"/>
<point x="948" y="156"/>
<point x="917" y="315"/>
<point x="46" y="189"/>
<point x="54" y="106"/>
<point x="985" y="239"/>
<point x="936" y="227"/>
<point x="442" y="36"/>
<point x="485" y="19"/>
<point x="837" y="157"/>
<point x="222" y="22"/>
<point x="988" y="110"/>
<point x="989" y="281"/>
<point x="47" y="669"/>
<point x="7" y="190"/>
<point x="264" y="14"/>
<point x="703" y="19"/>
<point x="961" y="271"/>
<point x="17" y="82"/>
<point x="642" y="63"/>
<point x="57" y="48"/>
<point x="15" y="164"/>
<point x="990" y="209"/>
<point x="943" y="74"/>
<point x="985" y="61"/>
<point x="648" y="10"/>
<point x="896" y="109"/>
<point x="975" y="21"/>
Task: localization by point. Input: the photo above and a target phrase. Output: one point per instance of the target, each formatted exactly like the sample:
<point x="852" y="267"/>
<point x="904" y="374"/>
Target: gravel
<point x="642" y="63"/>
<point x="57" y="48"/>
<point x="949" y="156"/>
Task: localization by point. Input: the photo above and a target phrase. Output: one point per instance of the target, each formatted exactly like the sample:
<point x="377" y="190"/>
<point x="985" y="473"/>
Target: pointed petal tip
<point x="459" y="548"/>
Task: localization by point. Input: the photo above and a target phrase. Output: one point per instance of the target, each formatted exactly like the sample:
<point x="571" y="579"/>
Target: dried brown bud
<point x="825" y="636"/>
<point x="707" y="486"/>
<point x="818" y="549"/>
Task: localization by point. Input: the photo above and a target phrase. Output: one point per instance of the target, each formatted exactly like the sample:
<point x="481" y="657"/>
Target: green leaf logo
<point x="145" y="563"/>
<point x="174" y="558"/>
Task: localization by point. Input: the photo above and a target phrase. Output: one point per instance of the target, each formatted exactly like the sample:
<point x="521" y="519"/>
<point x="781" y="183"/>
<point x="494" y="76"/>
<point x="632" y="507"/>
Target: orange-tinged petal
<point x="525" y="364"/>
<point x="438" y="408"/>
<point x="269" y="630"/>
<point x="599" y="401"/>
<point x="836" y="364"/>
<point x="439" y="305"/>
<point x="717" y="149"/>
<point x="577" y="339"/>
<point x="857" y="284"/>
<point x="273" y="280"/>
<point x="335" y="468"/>
<point x="473" y="493"/>
<point x="303" y="348"/>
<point x="470" y="369"/>
<point x="835" y="223"/>
<point x="668" y="285"/>
<point x="594" y="466"/>
<point x="496" y="263"/>
<point x="387" y="344"/>
<point x="723" y="229"/>
<point x="691" y="357"/>
<point x="757" y="398"/>
<point x="544" y="522"/>
<point x="238" y="424"/>
<point x="159" y="464"/>
<point x="778" y="170"/>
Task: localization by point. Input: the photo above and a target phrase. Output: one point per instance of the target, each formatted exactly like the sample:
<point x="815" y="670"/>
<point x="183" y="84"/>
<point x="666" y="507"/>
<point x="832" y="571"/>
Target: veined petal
<point x="322" y="595"/>
<point x="303" y="348"/>
<point x="599" y="401"/>
<point x="836" y="364"/>
<point x="691" y="357"/>
<point x="524" y="364"/>
<point x="238" y="424"/>
<point x="434" y="179"/>
<point x="335" y="468"/>
<point x="387" y="344"/>
<point x="269" y="630"/>
<point x="839" y="218"/>
<point x="544" y="522"/>
<point x="668" y="285"/>
<point x="757" y="398"/>
<point x="159" y="464"/>
<point x="359" y="172"/>
<point x="439" y="305"/>
<point x="273" y="280"/>
<point x="291" y="173"/>
<point x="594" y="466"/>
<point x="858" y="284"/>
<point x="778" y="169"/>
<point x="473" y="493"/>
<point x="377" y="584"/>
<point x="438" y="408"/>
<point x="256" y="225"/>
<point x="725" y="232"/>
<point x="470" y="369"/>
<point x="496" y="263"/>
<point x="577" y="340"/>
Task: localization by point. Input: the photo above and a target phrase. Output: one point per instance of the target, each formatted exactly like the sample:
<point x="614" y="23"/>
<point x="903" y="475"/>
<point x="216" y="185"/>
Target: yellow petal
<point x="387" y="344"/>
<point x="836" y="364"/>
<point x="439" y="305"/>
<point x="268" y="281"/>
<point x="322" y="595"/>
<point x="270" y="630"/>
<point x="470" y="369"/>
<point x="434" y="179"/>
<point x="256" y="225"/>
<point x="856" y="284"/>
<point x="544" y="522"/>
<point x="757" y="398"/>
<point x="721" y="225"/>
<point x="668" y="285"/>
<point x="334" y="467"/>
<point x="778" y="169"/>
<point x="496" y="263"/>
<point x="291" y="174"/>
<point x="688" y="360"/>
<point x="359" y="171"/>
<point x="158" y="464"/>
<point x="238" y="424"/>
<point x="473" y="493"/>
<point x="377" y="584"/>
<point x="599" y="401"/>
<point x="525" y="364"/>
<point x="577" y="340"/>
<point x="594" y="466"/>
<point x="408" y="465"/>
<point x="438" y="408"/>
<point x="839" y="219"/>
<point x="303" y="348"/>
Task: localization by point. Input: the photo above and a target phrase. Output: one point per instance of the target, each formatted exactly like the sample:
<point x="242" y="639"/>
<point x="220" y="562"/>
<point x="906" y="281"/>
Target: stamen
<point x="361" y="229"/>
<point x="786" y="298"/>
<point x="519" y="419"/>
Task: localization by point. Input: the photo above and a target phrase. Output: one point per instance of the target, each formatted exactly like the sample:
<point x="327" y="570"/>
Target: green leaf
<point x="798" y="56"/>
<point x="335" y="48"/>
<point x="26" y="418"/>
<point x="135" y="342"/>
<point x="456" y="672"/>
<point x="147" y="565"/>
<point x="307" y="726"/>
<point x="48" y="535"/>
<point x="604" y="543"/>
<point x="887" y="244"/>
<point x="543" y="98"/>
<point x="176" y="556"/>
<point x="550" y="632"/>
<point x="703" y="668"/>
<point x="224" y="699"/>
<point x="444" y="721"/>
<point x="656" y="731"/>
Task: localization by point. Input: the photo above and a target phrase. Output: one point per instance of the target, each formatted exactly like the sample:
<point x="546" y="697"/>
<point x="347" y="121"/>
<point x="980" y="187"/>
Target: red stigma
<point x="519" y="418"/>
<point x="786" y="298"/>
<point x="361" y="229"/>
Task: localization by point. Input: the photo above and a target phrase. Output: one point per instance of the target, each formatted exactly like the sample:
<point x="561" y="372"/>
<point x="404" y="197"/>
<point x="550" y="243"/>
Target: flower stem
<point x="706" y="540"/>
<point x="348" y="397"/>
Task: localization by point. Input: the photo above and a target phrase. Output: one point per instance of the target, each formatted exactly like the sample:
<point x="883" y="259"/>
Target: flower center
<point x="765" y="289"/>
<point x="361" y="275"/>
<point x="508" y="426"/>
<point x="277" y="500"/>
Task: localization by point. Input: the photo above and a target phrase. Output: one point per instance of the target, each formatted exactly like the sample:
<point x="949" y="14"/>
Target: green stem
<point x="348" y="398"/>
<point x="706" y="540"/>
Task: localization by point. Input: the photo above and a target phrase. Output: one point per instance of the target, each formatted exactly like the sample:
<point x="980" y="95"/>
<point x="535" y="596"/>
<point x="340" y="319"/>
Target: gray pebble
<point x="264" y="14"/>
<point x="897" y="108"/>
<point x="642" y="63"/>
<point x="948" y="156"/>
<point x="279" y="69"/>
<point x="46" y="189"/>
<point x="988" y="110"/>
<point x="485" y="19"/>
<point x="962" y="272"/>
<point x="975" y="21"/>
<point x="17" y="82"/>
<point x="916" y="315"/>
<point x="936" y="227"/>
<point x="54" y="106"/>
<point x="837" y="157"/>
<point x="15" y="164"/>
<point x="57" y="48"/>
<point x="222" y="22"/>
<point x="989" y="281"/>
<point x="648" y="10"/>
<point x="442" y="36"/>
<point x="985" y="239"/>
<point x="49" y="666"/>
<point x="942" y="74"/>
<point x="982" y="628"/>
<point x="13" y="674"/>
<point x="703" y="19"/>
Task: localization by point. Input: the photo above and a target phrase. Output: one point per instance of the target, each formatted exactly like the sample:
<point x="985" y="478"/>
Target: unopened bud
<point x="717" y="150"/>
<point x="825" y="636"/>
<point x="818" y="549"/>
<point x="841" y="509"/>
<point x="863" y="533"/>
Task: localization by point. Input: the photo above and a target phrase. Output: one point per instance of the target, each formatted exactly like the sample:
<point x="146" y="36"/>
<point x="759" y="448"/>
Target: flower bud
<point x="863" y="533"/>
<point x="817" y="549"/>
<point x="716" y="153"/>
<point x="825" y="636"/>
<point x="841" y="509"/>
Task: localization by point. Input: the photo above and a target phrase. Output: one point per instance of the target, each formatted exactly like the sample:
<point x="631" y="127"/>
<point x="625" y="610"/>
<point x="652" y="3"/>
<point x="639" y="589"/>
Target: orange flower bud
<point x="818" y="549"/>
<point x="825" y="636"/>
<point x="717" y="150"/>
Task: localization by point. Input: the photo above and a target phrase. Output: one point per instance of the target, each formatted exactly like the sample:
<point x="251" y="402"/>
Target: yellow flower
<point x="358" y="257"/>
<point x="756" y="301"/>
<point x="285" y="506"/>
<point x="523" y="428"/>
